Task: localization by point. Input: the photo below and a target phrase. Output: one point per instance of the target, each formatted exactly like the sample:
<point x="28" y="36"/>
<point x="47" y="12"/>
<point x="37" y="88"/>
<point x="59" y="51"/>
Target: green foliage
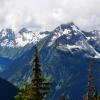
<point x="25" y="93"/>
<point x="19" y="96"/>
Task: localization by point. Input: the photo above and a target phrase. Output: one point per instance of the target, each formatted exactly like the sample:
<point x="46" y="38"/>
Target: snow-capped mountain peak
<point x="69" y="26"/>
<point x="24" y="30"/>
<point x="6" y="33"/>
<point x="9" y="38"/>
<point x="69" y="37"/>
<point x="64" y="36"/>
<point x="70" y="30"/>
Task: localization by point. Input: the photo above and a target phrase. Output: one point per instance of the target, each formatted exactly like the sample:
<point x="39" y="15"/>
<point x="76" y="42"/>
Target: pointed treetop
<point x="36" y="58"/>
<point x="36" y="49"/>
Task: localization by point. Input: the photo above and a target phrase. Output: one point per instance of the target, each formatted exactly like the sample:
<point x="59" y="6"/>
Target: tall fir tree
<point x="39" y="84"/>
<point x="39" y="87"/>
<point x="62" y="98"/>
<point x="91" y="93"/>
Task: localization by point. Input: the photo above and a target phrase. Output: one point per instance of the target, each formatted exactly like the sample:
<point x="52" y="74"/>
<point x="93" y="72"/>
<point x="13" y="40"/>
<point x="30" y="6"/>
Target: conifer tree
<point x="91" y="93"/>
<point x="25" y="93"/>
<point x="39" y="84"/>
<point x="39" y="87"/>
<point x="62" y="98"/>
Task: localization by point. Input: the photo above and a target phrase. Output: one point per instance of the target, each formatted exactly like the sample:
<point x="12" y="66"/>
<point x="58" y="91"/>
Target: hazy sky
<point x="47" y="14"/>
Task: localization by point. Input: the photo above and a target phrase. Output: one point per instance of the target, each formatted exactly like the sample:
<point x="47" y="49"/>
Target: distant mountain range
<point x="9" y="38"/>
<point x="64" y="53"/>
<point x="19" y="42"/>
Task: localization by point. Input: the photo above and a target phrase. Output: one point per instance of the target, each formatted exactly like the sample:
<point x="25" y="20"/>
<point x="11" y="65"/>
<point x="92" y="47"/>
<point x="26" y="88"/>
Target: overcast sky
<point x="47" y="14"/>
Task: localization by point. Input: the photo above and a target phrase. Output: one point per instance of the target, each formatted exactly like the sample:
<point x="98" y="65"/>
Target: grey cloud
<point x="47" y="14"/>
<point x="2" y="2"/>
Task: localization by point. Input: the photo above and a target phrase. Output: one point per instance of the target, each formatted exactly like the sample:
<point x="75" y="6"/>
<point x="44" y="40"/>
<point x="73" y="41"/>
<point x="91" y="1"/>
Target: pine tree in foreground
<point x="62" y="98"/>
<point x="91" y="93"/>
<point x="39" y="87"/>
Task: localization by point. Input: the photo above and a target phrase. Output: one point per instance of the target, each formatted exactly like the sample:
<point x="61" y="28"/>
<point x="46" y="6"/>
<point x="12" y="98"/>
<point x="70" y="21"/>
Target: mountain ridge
<point x="7" y="90"/>
<point x="64" y="56"/>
